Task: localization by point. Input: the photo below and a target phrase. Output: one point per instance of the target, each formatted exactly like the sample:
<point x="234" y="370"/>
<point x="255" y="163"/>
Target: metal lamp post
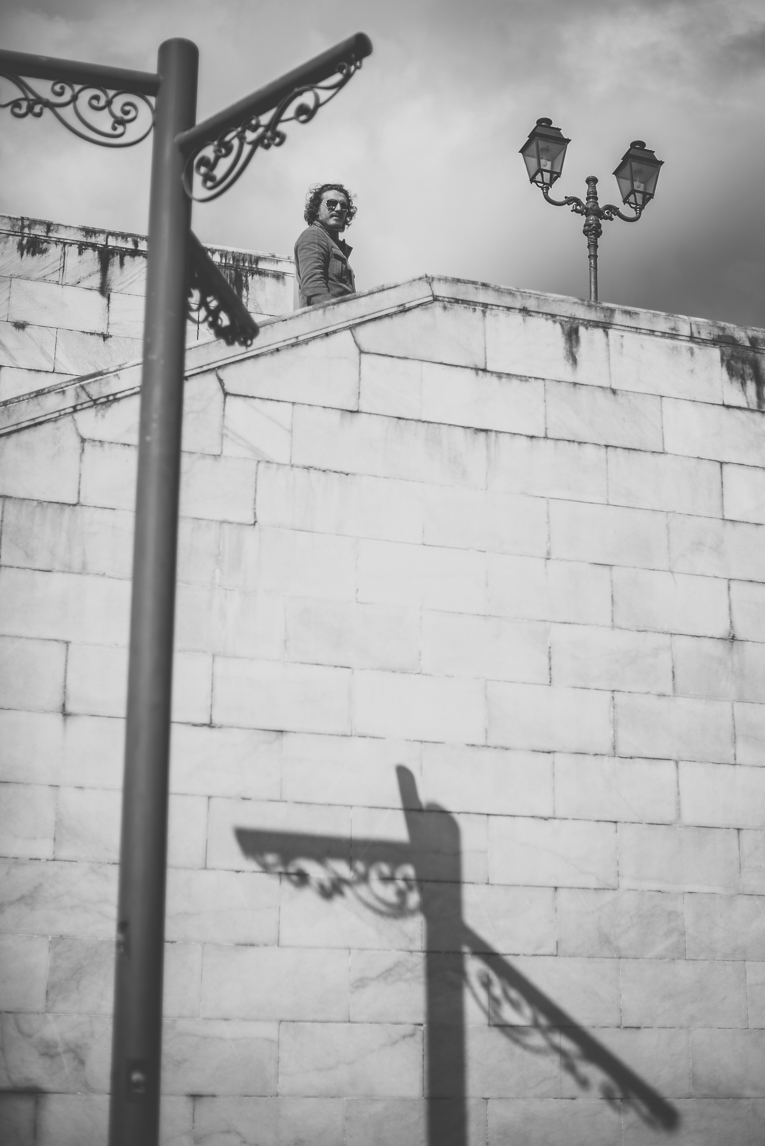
<point x="113" y="107"/>
<point x="637" y="175"/>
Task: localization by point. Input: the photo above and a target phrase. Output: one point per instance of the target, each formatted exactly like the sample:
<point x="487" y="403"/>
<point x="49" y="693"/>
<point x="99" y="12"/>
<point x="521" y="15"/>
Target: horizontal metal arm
<point x="352" y="50"/>
<point x="572" y="201"/>
<point x="72" y="71"/>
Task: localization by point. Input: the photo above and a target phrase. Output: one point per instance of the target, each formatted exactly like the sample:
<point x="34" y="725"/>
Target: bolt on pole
<point x="137" y="1034"/>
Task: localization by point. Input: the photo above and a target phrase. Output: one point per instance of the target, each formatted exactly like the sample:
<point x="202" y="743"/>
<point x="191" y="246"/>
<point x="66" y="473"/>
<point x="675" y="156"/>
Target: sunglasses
<point x="331" y="204"/>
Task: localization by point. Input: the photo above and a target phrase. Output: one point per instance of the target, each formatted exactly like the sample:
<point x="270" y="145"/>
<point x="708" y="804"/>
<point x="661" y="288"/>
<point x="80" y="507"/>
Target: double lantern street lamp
<point x="637" y="175"/>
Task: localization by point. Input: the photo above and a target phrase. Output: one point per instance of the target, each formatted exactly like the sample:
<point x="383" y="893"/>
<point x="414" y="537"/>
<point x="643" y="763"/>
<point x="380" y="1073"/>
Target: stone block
<point x="433" y="333"/>
<point x="501" y="782"/>
<point x="277" y="983"/>
<point x="307" y="919"/>
<point x="551" y="853"/>
<point x="348" y="504"/>
<point x="92" y="752"/>
<point x="432" y="843"/>
<point x="22" y="256"/>
<point x="203" y="415"/>
<point x="28" y="347"/>
<point x="728" y="1063"/>
<point x="108" y="475"/>
<point x="359" y="636"/>
<point x="549" y="719"/>
<point x="345" y="770"/>
<point x="126" y="315"/>
<point x="608" y="535"/>
<point x="663" y="481"/>
<point x="68" y="1053"/>
<point x="391" y="1121"/>
<point x="198" y="544"/>
<point x="514" y="920"/>
<point x="58" y="898"/>
<point x="606" y="417"/>
<point x="717" y="548"/>
<point x="670" y="602"/>
<point x="222" y="907"/>
<point x="42" y="463"/>
<point x="668" y="366"/>
<point x="604" y="788"/>
<point x="453" y="580"/>
<point x="80" y="353"/>
<point x="731" y="670"/>
<point x="48" y="304"/>
<point x="600" y="658"/>
<point x="703" y="1122"/>
<point x="32" y="674"/>
<point x="683" y="993"/>
<point x="755" y="990"/>
<point x="115" y="421"/>
<point x="247" y="762"/>
<point x="228" y="817"/>
<point x="702" y="431"/>
<point x="17" y="383"/>
<point x="27" y="819"/>
<point x="488" y="648"/>
<point x="553" y="1122"/>
<point x="415" y="707"/>
<point x="752" y="845"/>
<point x="669" y="727"/>
<point x="284" y="697"/>
<point x="219" y="1056"/>
<point x="658" y="1055"/>
<point x="587" y="990"/>
<point x="749" y="720"/>
<point x="477" y="519"/>
<point x="17" y="1119"/>
<point x="64" y="606"/>
<point x="620" y="924"/>
<point x="289" y="563"/>
<point x="23" y="972"/>
<point x="269" y="1121"/>
<point x="257" y="428"/>
<point x="452" y="395"/>
<point x="544" y="467"/>
<point x="350" y="1059"/>
<point x="677" y="858"/>
<point x="725" y="927"/>
<point x="221" y="489"/>
<point x="67" y="539"/>
<point x="744" y="487"/>
<point x="369" y="444"/>
<point x="33" y="747"/>
<point x="747" y="600"/>
<point x="531" y="587"/>
<point x="499" y="1065"/>
<point x="323" y="372"/>
<point x="720" y="796"/>
<point x="105" y="268"/>
<point x="229" y="622"/>
<point x="96" y="683"/>
<point x="543" y="346"/>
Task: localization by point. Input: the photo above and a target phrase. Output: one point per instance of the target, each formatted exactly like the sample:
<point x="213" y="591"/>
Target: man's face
<point x="333" y="210"/>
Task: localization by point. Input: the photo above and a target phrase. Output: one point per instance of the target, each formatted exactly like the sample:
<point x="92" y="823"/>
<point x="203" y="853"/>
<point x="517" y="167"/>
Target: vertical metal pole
<point x="137" y="1035"/>
<point x="593" y="231"/>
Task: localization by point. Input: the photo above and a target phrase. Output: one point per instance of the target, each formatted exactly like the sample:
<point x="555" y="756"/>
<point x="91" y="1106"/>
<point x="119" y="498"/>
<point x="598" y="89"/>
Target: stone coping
<point x="314" y="322"/>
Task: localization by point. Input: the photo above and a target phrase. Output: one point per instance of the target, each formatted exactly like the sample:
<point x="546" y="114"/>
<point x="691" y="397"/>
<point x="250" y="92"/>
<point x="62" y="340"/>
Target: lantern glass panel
<point x="543" y="155"/>
<point x="637" y="176"/>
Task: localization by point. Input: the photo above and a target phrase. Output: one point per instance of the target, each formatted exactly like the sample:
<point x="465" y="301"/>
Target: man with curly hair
<point x="321" y="256"/>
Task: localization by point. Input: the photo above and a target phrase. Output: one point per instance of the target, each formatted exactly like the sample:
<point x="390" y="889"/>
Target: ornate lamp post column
<point x="216" y="152"/>
<point x="637" y="175"/>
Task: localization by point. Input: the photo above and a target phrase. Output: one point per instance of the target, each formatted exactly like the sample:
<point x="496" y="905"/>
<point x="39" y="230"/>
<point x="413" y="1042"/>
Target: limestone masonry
<point x="510" y="544"/>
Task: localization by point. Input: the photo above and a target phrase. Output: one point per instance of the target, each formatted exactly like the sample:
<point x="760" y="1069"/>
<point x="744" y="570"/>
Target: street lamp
<point x="637" y="175"/>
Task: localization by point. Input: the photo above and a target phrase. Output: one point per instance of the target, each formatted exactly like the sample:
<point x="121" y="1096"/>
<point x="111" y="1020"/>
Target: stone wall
<point x="469" y="726"/>
<point x="71" y="299"/>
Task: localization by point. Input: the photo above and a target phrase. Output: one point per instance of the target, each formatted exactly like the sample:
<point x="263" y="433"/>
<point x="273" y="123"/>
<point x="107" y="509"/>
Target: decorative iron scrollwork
<point x="219" y="164"/>
<point x="214" y="301"/>
<point x="126" y="117"/>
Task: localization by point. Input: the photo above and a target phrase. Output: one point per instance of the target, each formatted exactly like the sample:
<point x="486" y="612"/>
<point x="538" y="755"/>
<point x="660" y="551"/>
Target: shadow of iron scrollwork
<point x="424" y="876"/>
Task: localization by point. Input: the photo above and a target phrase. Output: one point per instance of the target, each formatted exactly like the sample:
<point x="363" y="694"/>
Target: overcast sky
<point x="427" y="135"/>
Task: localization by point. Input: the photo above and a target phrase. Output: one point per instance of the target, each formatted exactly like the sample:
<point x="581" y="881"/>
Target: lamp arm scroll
<point x="572" y="201"/>
<point x="609" y="211"/>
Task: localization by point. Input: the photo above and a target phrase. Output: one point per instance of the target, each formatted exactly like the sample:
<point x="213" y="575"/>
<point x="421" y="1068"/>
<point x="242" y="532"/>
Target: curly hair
<point x="313" y="202"/>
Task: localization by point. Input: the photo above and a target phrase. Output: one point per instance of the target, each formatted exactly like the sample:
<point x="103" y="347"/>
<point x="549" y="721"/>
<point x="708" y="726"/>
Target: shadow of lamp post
<point x="637" y="175"/>
<point x="114" y="107"/>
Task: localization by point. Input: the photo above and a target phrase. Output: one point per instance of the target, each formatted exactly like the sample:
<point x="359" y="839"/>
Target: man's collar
<point x="346" y="248"/>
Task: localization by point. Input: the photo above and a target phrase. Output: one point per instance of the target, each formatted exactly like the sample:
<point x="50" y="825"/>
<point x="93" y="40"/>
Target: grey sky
<point x="428" y="134"/>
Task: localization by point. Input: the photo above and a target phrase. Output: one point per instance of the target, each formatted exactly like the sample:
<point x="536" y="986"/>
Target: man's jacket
<point x="323" y="272"/>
